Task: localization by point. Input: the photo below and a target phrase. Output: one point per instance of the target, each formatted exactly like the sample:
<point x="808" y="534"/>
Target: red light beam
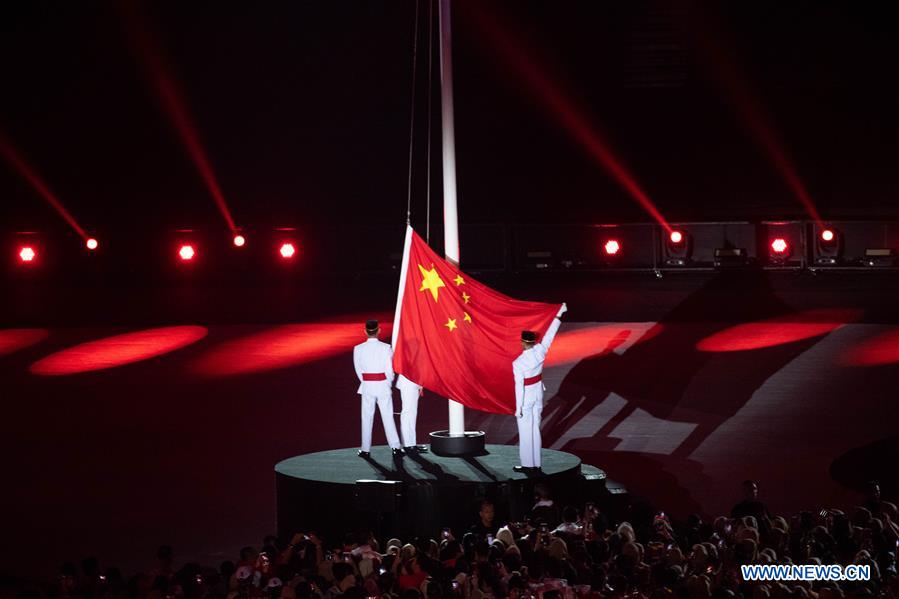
<point x="30" y="174"/>
<point x="176" y="108"/>
<point x="750" y="109"/>
<point x="562" y="108"/>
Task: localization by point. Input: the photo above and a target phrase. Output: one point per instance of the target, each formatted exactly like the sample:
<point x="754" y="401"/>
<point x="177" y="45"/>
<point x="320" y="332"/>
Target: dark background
<point x="303" y="108"/>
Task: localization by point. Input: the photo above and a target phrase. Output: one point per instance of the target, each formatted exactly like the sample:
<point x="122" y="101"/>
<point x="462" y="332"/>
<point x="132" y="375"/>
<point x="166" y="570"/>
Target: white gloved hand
<point x="562" y="310"/>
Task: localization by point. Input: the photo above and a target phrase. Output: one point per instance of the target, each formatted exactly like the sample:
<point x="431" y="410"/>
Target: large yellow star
<point x="430" y="280"/>
<point x="465" y="297"/>
<point x="451" y="324"/>
<point x="459" y="280"/>
<point x="467" y="317"/>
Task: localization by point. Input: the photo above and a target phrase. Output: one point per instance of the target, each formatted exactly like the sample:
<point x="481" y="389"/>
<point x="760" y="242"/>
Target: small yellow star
<point x="467" y="317"/>
<point x="451" y="324"/>
<point x="459" y="280"/>
<point x="430" y="280"/>
<point x="465" y="297"/>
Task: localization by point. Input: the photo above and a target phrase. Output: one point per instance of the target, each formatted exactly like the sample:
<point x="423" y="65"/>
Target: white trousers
<point x="385" y="406"/>
<point x="529" y="441"/>
<point x="409" y="415"/>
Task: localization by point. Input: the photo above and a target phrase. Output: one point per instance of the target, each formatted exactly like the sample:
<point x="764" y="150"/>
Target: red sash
<point x="533" y="379"/>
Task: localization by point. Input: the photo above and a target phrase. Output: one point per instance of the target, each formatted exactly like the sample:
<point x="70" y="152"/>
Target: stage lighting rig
<point x="730" y="258"/>
<point x="875" y="257"/>
<point x="91" y="243"/>
<point x="186" y="252"/>
<point x="239" y="240"/>
<point x="828" y="247"/>
<point x="287" y="250"/>
<point x="678" y="248"/>
<point x="779" y="251"/>
<point x="27" y="254"/>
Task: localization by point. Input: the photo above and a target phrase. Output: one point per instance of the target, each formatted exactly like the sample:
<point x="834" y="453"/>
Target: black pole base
<point x="469" y="443"/>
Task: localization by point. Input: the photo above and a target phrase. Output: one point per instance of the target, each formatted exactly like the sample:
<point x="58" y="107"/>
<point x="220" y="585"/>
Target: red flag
<point x="458" y="337"/>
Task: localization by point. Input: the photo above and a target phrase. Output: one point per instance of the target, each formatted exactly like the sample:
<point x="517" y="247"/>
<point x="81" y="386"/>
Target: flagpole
<point x="404" y="269"/>
<point x="450" y="210"/>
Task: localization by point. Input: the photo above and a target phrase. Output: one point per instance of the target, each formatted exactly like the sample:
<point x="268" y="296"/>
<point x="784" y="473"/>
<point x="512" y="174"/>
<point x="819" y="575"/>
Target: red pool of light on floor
<point x="15" y="339"/>
<point x="282" y="347"/>
<point x="118" y="350"/>
<point x="876" y="351"/>
<point x="777" y="331"/>
<point x="574" y="346"/>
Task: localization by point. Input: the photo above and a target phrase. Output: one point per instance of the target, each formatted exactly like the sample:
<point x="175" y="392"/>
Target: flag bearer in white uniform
<point x="374" y="367"/>
<point x="528" y="371"/>
<point x="410" y="392"/>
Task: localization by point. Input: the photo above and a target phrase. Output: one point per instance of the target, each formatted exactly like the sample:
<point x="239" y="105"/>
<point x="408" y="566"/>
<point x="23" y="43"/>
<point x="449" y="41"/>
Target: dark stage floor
<point x="343" y="467"/>
<point x="120" y="438"/>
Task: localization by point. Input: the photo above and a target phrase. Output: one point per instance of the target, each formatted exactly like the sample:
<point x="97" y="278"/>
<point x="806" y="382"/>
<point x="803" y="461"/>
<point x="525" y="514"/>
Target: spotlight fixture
<point x="779" y="251"/>
<point x="91" y="244"/>
<point x="730" y="258"/>
<point x="287" y="250"/>
<point x="828" y="247"/>
<point x="186" y="252"/>
<point x="879" y="257"/>
<point x="611" y="247"/>
<point x="27" y="254"/>
<point x="239" y="241"/>
<point x="678" y="248"/>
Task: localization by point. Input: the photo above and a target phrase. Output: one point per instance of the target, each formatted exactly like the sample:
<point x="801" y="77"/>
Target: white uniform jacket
<point x="374" y="357"/>
<point x="530" y="364"/>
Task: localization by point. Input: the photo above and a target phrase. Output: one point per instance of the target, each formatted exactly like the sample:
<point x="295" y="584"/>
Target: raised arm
<point x="551" y="333"/>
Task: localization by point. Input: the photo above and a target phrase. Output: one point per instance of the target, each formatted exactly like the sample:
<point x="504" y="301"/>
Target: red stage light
<point x="612" y="247"/>
<point x="287" y="250"/>
<point x="676" y="237"/>
<point x="186" y="252"/>
<point x="27" y="254"/>
<point x="239" y="241"/>
<point x="779" y="246"/>
<point x="91" y="244"/>
<point x="827" y="235"/>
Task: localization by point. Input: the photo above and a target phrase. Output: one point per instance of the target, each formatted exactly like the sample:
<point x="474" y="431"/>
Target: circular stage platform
<point x="333" y="492"/>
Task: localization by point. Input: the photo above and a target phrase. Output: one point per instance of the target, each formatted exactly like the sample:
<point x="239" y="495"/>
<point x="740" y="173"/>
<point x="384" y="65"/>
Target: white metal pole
<point x="450" y="211"/>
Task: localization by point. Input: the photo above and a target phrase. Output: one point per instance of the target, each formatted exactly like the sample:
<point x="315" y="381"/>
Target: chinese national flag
<point x="458" y="337"/>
